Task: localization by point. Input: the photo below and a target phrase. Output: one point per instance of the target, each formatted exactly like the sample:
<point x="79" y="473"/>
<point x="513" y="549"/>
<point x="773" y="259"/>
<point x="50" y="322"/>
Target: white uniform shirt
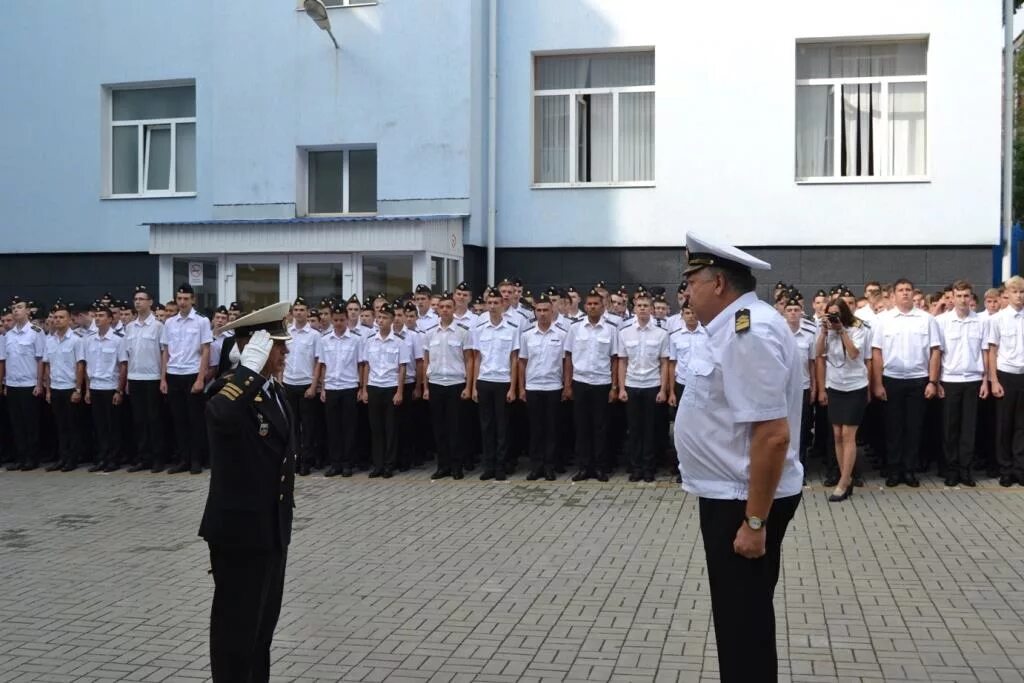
<point x="964" y="341"/>
<point x="643" y="348"/>
<point x="866" y="313"/>
<point x="735" y="380"/>
<point x="1005" y="330"/>
<point x="675" y="322"/>
<point x="102" y="357"/>
<point x="612" y="319"/>
<point x="425" y="322"/>
<point x="543" y="352"/>
<point x="805" y="342"/>
<point x="495" y="344"/>
<point x="25" y="347"/>
<point x="184" y="338"/>
<point x="142" y="342"/>
<point x="445" y="349"/>
<point x="681" y="344"/>
<point x="414" y="339"/>
<point x="592" y="348"/>
<point x="63" y="356"/>
<point x="298" y="364"/>
<point x="906" y="341"/>
<point x="384" y="356"/>
<point x="341" y="356"/>
<point x="469" y="319"/>
<point x="843" y="373"/>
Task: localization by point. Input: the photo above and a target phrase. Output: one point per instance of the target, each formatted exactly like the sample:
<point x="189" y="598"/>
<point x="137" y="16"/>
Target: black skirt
<point x="847" y="407"/>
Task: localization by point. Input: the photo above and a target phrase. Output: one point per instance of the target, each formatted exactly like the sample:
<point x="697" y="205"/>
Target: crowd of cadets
<point x="584" y="381"/>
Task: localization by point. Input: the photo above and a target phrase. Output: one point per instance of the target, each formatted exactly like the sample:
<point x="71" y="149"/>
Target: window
<point x="861" y="110"/>
<point x="348" y="3"/>
<point x="391" y="275"/>
<point x="153" y="141"/>
<point x="593" y="119"/>
<point x="343" y="181"/>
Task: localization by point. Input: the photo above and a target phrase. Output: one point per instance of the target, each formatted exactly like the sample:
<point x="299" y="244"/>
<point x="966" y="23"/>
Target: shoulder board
<point x="520" y="312"/>
<point x="575" y="320"/>
<point x="465" y="327"/>
<point x="678" y="329"/>
<point x="399" y="335"/>
<point x="560" y="326"/>
<point x="742" y="320"/>
<point x="119" y="333"/>
<point x="512" y="324"/>
<point x="354" y="331"/>
<point x="36" y="328"/>
<point x="527" y="329"/>
<point x="481" y="323"/>
<point x="230" y="391"/>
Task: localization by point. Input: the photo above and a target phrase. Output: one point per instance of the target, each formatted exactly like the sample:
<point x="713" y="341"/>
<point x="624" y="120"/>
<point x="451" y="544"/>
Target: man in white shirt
<point x="541" y="386"/>
<point x="905" y="363"/>
<point x="340" y="358"/>
<point x="495" y="344"/>
<point x="1006" y="379"/>
<point x="804" y="332"/>
<point x="142" y="345"/>
<point x="387" y="362"/>
<point x="643" y="386"/>
<point x="448" y="357"/>
<point x="414" y="416"/>
<point x="63" y="366"/>
<point x="185" y="343"/>
<point x="590" y="349"/>
<point x="25" y="346"/>
<point x="738" y="450"/>
<point x="219" y="320"/>
<point x="425" y="315"/>
<point x="964" y="381"/>
<point x="299" y="388"/>
<point x="463" y="297"/>
<point x="106" y="369"/>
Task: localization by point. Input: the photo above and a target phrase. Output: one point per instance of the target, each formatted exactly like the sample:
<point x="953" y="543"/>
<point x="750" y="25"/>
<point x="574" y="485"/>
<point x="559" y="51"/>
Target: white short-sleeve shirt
<point x="445" y="350"/>
<point x="142" y="342"/>
<point x="301" y="358"/>
<point x="384" y="356"/>
<point x="906" y="341"/>
<point x="340" y="356"/>
<point x="736" y="380"/>
<point x="805" y="342"/>
<point x="592" y="348"/>
<point x="63" y="355"/>
<point x="184" y="336"/>
<point x="103" y="354"/>
<point x="843" y="373"/>
<point x="543" y="351"/>
<point x="1006" y="332"/>
<point x="414" y="339"/>
<point x="24" y="348"/>
<point x="682" y="343"/>
<point x="964" y="342"/>
<point x="643" y="348"/>
<point x="495" y="344"/>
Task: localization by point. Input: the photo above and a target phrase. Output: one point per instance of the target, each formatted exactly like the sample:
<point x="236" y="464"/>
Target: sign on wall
<point x="195" y="273"/>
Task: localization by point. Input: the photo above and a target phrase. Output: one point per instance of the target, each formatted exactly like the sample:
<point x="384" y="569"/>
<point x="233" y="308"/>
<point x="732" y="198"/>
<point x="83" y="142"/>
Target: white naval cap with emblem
<point x="269" y="318"/>
<point x="702" y="252"/>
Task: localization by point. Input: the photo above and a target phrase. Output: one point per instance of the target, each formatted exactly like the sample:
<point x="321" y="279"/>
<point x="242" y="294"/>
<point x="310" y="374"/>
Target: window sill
<point x="150" y="195"/>
<point x="341" y="215"/>
<point x="589" y="186"/>
<point x="850" y="180"/>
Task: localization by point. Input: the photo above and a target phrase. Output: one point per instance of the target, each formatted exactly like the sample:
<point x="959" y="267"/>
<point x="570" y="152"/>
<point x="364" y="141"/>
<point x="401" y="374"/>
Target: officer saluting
<point x="738" y="450"/>
<point x="248" y="518"/>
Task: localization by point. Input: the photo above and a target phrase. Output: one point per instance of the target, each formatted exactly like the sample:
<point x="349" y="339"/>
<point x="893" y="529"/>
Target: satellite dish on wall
<point x="317" y="11"/>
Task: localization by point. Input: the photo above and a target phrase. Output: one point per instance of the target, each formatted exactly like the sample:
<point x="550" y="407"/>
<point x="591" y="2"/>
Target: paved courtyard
<point x="407" y="580"/>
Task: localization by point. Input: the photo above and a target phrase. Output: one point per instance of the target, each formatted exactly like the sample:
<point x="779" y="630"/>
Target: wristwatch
<point x="755" y="523"/>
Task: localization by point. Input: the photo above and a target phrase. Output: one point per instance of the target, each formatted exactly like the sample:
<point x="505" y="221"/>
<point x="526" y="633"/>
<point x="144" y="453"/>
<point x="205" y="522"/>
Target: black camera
<point x="833" y="318"/>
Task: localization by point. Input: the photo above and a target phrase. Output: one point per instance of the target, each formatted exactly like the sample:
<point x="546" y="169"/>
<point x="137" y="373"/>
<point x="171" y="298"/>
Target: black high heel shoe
<point x="833" y="498"/>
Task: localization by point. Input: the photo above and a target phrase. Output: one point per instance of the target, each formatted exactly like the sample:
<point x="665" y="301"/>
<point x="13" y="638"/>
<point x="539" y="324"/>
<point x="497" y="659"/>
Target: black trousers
<point x="904" y="419"/>
<point x="542" y="410"/>
<point x="66" y="426"/>
<point x="383" y="415"/>
<point x="187" y="414"/>
<point x="24" y="410"/>
<point x="742" y="590"/>
<point x="341" y="413"/>
<point x="408" y="434"/>
<point x="985" y="434"/>
<point x="248" y="588"/>
<point x="643" y="417"/>
<point x="494" y="412"/>
<point x="1010" y="425"/>
<point x="446" y="419"/>
<point x="305" y="426"/>
<point x="590" y="414"/>
<point x="146" y="414"/>
<point x="107" y="419"/>
<point x="806" y="425"/>
<point x="959" y="416"/>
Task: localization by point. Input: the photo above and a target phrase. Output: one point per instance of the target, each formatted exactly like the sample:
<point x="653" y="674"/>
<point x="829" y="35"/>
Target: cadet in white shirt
<point x="738" y="450"/>
<point x="106" y="369"/>
<point x="495" y="345"/>
<point x="414" y="415"/>
<point x="542" y="386"/>
<point x="425" y="315"/>
<point x="682" y="342"/>
<point x="142" y="343"/>
<point x="63" y="368"/>
<point x="220" y="319"/>
<point x="341" y="358"/>
<point x="905" y="361"/>
<point x="463" y="297"/>
<point x="590" y="349"/>
<point x="448" y="357"/>
<point x="643" y="386"/>
<point x="299" y="388"/>
<point x="804" y="332"/>
<point x="387" y="362"/>
<point x="185" y="341"/>
<point x="964" y="381"/>
<point x="25" y="346"/>
<point x="1006" y="378"/>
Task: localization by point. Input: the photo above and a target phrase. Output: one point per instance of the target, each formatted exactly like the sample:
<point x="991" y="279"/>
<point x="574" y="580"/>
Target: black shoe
<point x="441" y="474"/>
<point x="111" y="467"/>
<point x="1006" y="480"/>
<point x="196" y="470"/>
<point x="601" y="475"/>
<point x="54" y="467"/>
<point x="500" y="476"/>
<point x="374" y="473"/>
<point x="98" y="466"/>
<point x="304" y="471"/>
<point x="346" y="472"/>
<point x="840" y="497"/>
<point x="177" y="469"/>
<point x="14" y="467"/>
<point x="403" y="468"/>
<point x="952" y="480"/>
<point x="582" y="475"/>
<point x="890" y="481"/>
<point x="68" y="467"/>
<point x="648" y="478"/>
<point x="550" y="475"/>
<point x="534" y="475"/>
<point x="968" y="481"/>
<point x="332" y="471"/>
<point x="911" y="481"/>
<point x="387" y="474"/>
<point x="457" y="474"/>
<point x="29" y="466"/>
<point x="831" y="480"/>
<point x="486" y="475"/>
<point x="157" y="468"/>
<point x="634" y="477"/>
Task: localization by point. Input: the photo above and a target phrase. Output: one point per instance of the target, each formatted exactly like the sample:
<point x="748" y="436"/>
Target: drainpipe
<point x="1009" y="82"/>
<point x="492" y="131"/>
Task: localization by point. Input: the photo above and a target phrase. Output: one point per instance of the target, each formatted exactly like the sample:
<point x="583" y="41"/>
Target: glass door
<point x="202" y="273"/>
<point x="320" y="276"/>
<point x="256" y="281"/>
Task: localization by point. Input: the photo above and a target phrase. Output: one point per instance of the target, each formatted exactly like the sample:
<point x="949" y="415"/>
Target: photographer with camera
<point x="841" y="362"/>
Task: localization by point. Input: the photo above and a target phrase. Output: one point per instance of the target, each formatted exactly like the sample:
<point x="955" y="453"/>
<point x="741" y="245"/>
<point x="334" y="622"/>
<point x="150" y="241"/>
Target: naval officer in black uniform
<point x="248" y="518"/>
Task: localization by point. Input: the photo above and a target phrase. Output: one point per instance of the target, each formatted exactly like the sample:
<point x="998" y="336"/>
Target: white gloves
<point x="256" y="351"/>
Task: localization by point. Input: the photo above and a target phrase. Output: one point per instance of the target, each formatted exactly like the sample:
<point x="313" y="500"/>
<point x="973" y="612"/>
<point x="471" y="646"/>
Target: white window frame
<point x="885" y="83"/>
<point x="344" y="4"/>
<point x="303" y="202"/>
<point x="572" y="144"/>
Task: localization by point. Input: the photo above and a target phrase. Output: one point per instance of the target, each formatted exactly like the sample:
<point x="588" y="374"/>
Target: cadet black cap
<point x="492" y="292"/>
<point x="516" y="281"/>
<point x="682" y="287"/>
<point x="423" y="289"/>
<point x="780" y="285"/>
<point x="571" y="290"/>
<point x="352" y="300"/>
<point x="386" y="308"/>
<point x="107" y="296"/>
<point x="15" y="300"/>
<point x="141" y="289"/>
<point x="409" y="307"/>
<point x="367" y="304"/>
<point x="158" y="307"/>
<point x="299" y="301"/>
<point x="793" y="301"/>
<point x="338" y="308"/>
<point x="657" y="291"/>
<point x="551" y="291"/>
<point x="660" y="298"/>
<point x="445" y="296"/>
<point x="600" y="285"/>
<point x="59" y="306"/>
<point x="543" y="298"/>
<point x="821" y="292"/>
<point x="463" y="287"/>
<point x="234" y="307"/>
<point x="221" y="309"/>
<point x="185" y="289"/>
<point x="99" y="307"/>
<point x="479" y="299"/>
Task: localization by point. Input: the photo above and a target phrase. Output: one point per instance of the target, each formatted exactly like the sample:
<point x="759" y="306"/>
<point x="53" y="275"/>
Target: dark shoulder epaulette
<point x="36" y="327"/>
<point x="399" y="335"/>
<point x="520" y="312"/>
<point x="575" y="320"/>
<point x="481" y="323"/>
<point x="678" y="329"/>
<point x="465" y="327"/>
<point x="356" y="332"/>
<point x="512" y="324"/>
<point x="560" y="326"/>
<point x="527" y="329"/>
<point x="119" y="333"/>
<point x="742" y="320"/>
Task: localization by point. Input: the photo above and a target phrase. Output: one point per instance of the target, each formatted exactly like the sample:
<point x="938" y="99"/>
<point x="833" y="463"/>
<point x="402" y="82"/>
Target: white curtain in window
<point x="636" y="136"/>
<point x="603" y="70"/>
<point x="125" y="160"/>
<point x="551" y="135"/>
<point x="185" y="157"/>
<point x="814" y="134"/>
<point x="907" y="104"/>
<point x="158" y="157"/>
<point x="596" y="149"/>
